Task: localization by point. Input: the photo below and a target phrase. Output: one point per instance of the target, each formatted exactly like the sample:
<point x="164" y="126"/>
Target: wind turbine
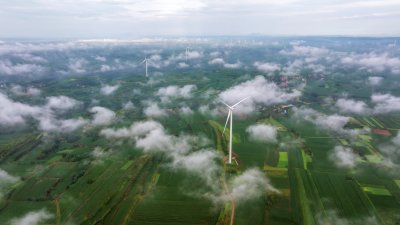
<point x="145" y="61"/>
<point x="230" y="115"/>
<point x="186" y="53"/>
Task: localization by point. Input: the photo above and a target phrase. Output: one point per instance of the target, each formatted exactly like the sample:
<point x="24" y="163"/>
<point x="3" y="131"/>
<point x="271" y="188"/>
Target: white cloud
<point x="184" y="152"/>
<point x="352" y="106"/>
<point x="183" y="65"/>
<point x="215" y="54"/>
<point x="300" y="50"/>
<point x="108" y="89"/>
<point x="21" y="91"/>
<point x="8" y="68"/>
<point x="385" y="103"/>
<point x="102" y="116"/>
<point x="50" y="123"/>
<point x="391" y="152"/>
<point x="100" y="58"/>
<point x="31" y="58"/>
<point x="150" y="136"/>
<point x="221" y="61"/>
<point x="173" y="91"/>
<point x="262" y="133"/>
<point x="334" y="123"/>
<point x="194" y="55"/>
<point x="293" y="68"/>
<point x="32" y="218"/>
<point x="16" y="113"/>
<point x="259" y="91"/>
<point x="332" y="217"/>
<point x="105" y="68"/>
<point x="374" y="62"/>
<point x="251" y="184"/>
<point x="6" y="178"/>
<point x="153" y="110"/>
<point x="232" y="65"/>
<point x="217" y="61"/>
<point x="343" y="157"/>
<point x="191" y="55"/>
<point x="186" y="110"/>
<point x="375" y="81"/>
<point x="77" y="65"/>
<point x="61" y="102"/>
<point x="128" y="105"/>
<point x="136" y="129"/>
<point x="202" y="163"/>
<point x="267" y="67"/>
<point x="206" y="110"/>
<point x="99" y="153"/>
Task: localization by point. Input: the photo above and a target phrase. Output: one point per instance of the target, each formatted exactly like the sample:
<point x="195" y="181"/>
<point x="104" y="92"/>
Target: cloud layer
<point x="15" y="113"/>
<point x="259" y="92"/>
<point x="262" y="133"/>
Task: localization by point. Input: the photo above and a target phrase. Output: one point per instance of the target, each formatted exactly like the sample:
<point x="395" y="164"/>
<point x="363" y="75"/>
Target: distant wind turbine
<point x="230" y="115"/>
<point x="187" y="53"/>
<point x="146" y="61"/>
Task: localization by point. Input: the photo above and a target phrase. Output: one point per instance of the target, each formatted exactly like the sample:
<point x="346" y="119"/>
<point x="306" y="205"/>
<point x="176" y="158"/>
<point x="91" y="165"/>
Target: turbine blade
<point x="142" y="62"/>
<point x="227" y="119"/>
<point x="226" y="104"/>
<point x="240" y="102"/>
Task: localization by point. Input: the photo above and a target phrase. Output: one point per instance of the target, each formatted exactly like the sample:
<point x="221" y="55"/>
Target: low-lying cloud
<point x="262" y="133"/>
<point x="102" y="116"/>
<point x="152" y="109"/>
<point x="22" y="91"/>
<point x="173" y="91"/>
<point x="352" y="106"/>
<point x="375" y="81"/>
<point x="267" y="67"/>
<point x="334" y="123"/>
<point x="259" y="91"/>
<point x="32" y="218"/>
<point x="382" y="103"/>
<point x="6" y="180"/>
<point x="108" y="89"/>
<point x="343" y="157"/>
<point x="15" y="113"/>
<point x="374" y="62"/>
<point x="11" y="69"/>
<point x="251" y="184"/>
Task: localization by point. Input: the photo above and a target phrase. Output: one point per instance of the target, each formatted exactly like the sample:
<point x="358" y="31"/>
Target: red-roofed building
<point x="381" y="132"/>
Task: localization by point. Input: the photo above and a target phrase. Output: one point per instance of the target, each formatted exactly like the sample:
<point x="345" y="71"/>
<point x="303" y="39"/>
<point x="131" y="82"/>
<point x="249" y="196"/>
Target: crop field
<point x="315" y="140"/>
<point x="168" y="205"/>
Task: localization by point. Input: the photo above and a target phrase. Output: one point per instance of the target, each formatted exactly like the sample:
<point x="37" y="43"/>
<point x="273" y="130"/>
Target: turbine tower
<point x="230" y="116"/>
<point x="186" y="53"/>
<point x="145" y="61"/>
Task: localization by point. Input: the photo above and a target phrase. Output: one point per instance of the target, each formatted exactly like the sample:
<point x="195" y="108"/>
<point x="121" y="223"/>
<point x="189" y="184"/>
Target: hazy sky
<point x="132" y="18"/>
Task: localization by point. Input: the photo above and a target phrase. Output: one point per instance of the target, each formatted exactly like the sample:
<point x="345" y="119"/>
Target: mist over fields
<point x="87" y="138"/>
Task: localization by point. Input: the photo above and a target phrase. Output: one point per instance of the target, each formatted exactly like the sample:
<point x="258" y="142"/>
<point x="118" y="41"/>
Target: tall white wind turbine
<point x="230" y="117"/>
<point x="146" y="61"/>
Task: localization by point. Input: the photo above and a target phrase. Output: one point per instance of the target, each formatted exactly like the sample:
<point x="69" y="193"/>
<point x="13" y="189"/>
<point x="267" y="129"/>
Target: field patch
<point x="375" y="190"/>
<point x="283" y="160"/>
